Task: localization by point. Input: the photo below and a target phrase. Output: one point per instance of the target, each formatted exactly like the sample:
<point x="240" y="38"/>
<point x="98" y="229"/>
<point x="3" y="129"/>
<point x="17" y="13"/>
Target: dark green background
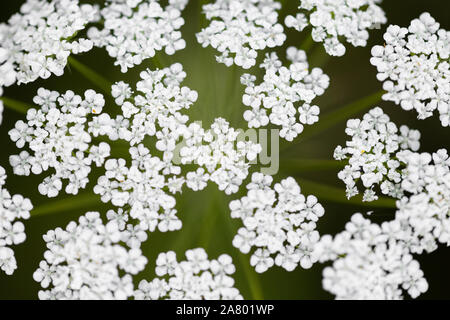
<point x="205" y="215"/>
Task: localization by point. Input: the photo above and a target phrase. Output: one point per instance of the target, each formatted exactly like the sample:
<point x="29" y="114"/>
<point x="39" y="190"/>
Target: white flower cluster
<point x="59" y="137"/>
<point x="142" y="189"/>
<point x="280" y="223"/>
<point x="372" y="155"/>
<point x="154" y="111"/>
<point x="196" y="278"/>
<point x="12" y="231"/>
<point x="333" y="21"/>
<point x="284" y="92"/>
<point x="222" y="157"/>
<point x="240" y="28"/>
<point x="373" y="261"/>
<point x="414" y="66"/>
<point x="134" y="30"/>
<point x="370" y="262"/>
<point x="36" y="42"/>
<point x="426" y="209"/>
<point x="83" y="262"/>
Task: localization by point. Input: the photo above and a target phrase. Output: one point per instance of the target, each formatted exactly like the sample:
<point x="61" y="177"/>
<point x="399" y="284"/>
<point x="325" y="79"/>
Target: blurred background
<point x="205" y="215"/>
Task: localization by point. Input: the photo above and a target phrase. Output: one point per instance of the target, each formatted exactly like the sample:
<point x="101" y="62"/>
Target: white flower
<point x="58" y="136"/>
<point x="372" y="152"/>
<point x="36" y="42"/>
<point x="196" y="278"/>
<point x="414" y="67"/>
<point x="12" y="208"/>
<point x="283" y="92"/>
<point x="279" y="223"/>
<point x="336" y="20"/>
<point x="121" y="91"/>
<point x="86" y="262"/>
<point x="239" y="29"/>
<point x="197" y="180"/>
<point x="135" y="30"/>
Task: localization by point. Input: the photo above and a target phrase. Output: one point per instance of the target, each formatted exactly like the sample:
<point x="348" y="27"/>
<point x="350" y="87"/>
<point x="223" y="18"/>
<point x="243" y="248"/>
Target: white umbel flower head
<point x="426" y="209"/>
<point x="414" y="67"/>
<point x="135" y="30"/>
<point x="195" y="278"/>
<point x="143" y="187"/>
<point x="12" y="208"/>
<point x="222" y="157"/>
<point x="36" y="42"/>
<point x="279" y="224"/>
<point x="86" y="261"/>
<point x="58" y="137"/>
<point x="284" y="97"/>
<point x="334" y="21"/>
<point x="371" y="155"/>
<point x="241" y="28"/>
<point x="370" y="262"/>
<point x="382" y="157"/>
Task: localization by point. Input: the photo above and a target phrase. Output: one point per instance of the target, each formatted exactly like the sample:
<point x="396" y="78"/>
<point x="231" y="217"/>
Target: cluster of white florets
<point x="142" y="188"/>
<point x="36" y="42"/>
<point x="12" y="208"/>
<point x="58" y="135"/>
<point x="86" y="261"/>
<point x="372" y="155"/>
<point x="135" y="30"/>
<point x="285" y="93"/>
<point x="153" y="111"/>
<point x="279" y="222"/>
<point x="241" y="28"/>
<point x="333" y="21"/>
<point x="370" y="262"/>
<point x="373" y="261"/>
<point x="196" y="278"/>
<point x="426" y="209"/>
<point x="223" y="158"/>
<point x="147" y="185"/>
<point x="414" y="66"/>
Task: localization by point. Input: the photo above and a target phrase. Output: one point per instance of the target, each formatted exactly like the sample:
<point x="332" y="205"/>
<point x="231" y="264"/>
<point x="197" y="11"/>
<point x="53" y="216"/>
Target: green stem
<point x="307" y="42"/>
<point x="15" y="105"/>
<point x="319" y="57"/>
<point x="80" y="201"/>
<point x="96" y="79"/>
<point x="210" y="218"/>
<point x="250" y="274"/>
<point x="332" y="194"/>
<point x="333" y="118"/>
<point x="233" y="86"/>
<point x="255" y="286"/>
